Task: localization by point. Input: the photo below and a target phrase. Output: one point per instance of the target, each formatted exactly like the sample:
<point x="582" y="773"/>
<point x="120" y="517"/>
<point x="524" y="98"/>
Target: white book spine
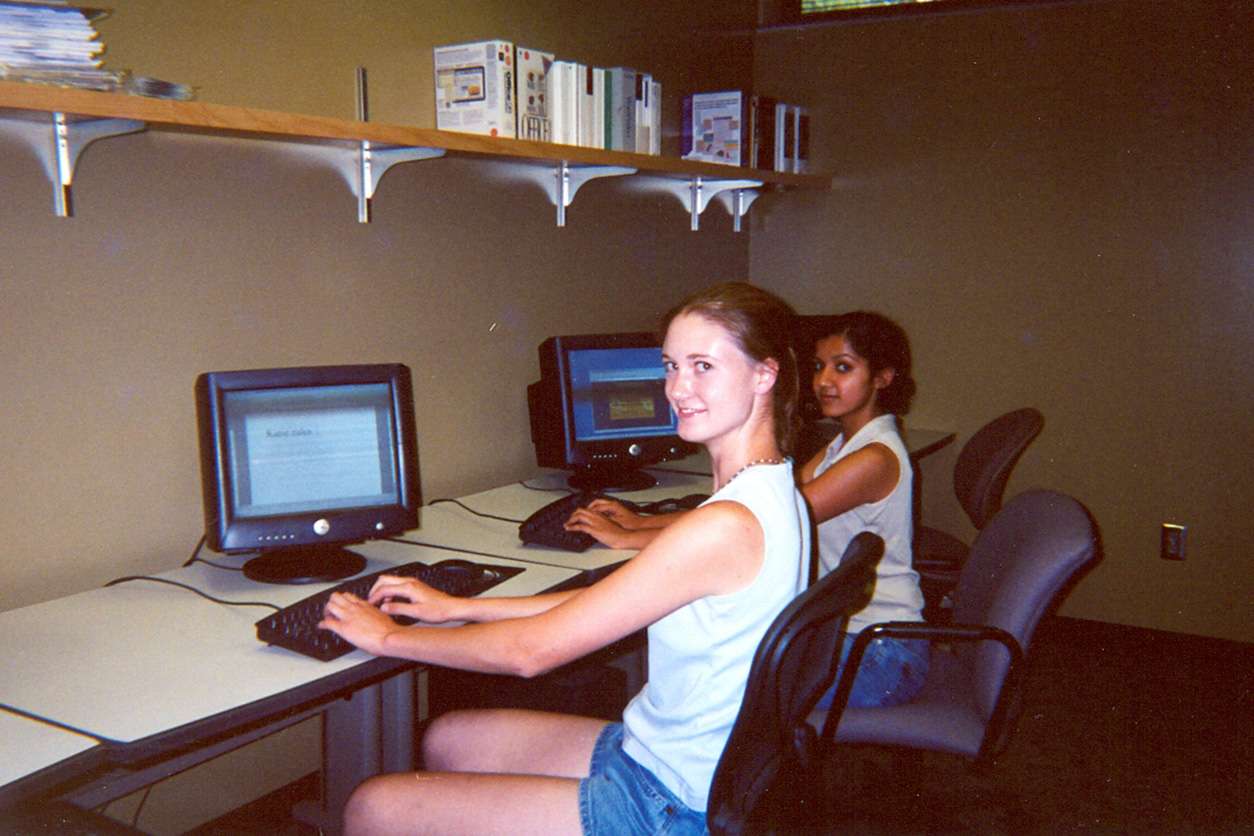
<point x="655" y="147"/>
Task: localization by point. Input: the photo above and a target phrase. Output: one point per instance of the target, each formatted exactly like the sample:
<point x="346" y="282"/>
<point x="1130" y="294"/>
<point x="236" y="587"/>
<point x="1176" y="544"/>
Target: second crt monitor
<point x="599" y="409"/>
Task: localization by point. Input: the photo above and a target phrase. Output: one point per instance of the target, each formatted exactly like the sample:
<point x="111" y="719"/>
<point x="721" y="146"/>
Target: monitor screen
<point x="297" y="462"/>
<point x="600" y="410"/>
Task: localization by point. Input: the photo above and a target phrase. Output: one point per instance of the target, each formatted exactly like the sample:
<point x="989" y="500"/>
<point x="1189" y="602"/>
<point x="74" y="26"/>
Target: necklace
<point x="754" y="463"/>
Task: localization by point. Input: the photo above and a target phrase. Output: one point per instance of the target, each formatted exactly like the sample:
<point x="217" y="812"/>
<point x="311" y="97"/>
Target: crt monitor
<point x="600" y="409"/>
<point x="295" y="463"/>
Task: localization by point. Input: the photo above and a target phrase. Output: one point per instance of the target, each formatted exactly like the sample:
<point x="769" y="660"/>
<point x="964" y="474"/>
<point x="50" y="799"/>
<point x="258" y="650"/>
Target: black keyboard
<point x="295" y="627"/>
<point x="545" y="527"/>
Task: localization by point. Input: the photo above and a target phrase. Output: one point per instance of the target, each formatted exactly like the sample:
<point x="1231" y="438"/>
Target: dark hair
<point x="884" y="345"/>
<point x="762" y="325"/>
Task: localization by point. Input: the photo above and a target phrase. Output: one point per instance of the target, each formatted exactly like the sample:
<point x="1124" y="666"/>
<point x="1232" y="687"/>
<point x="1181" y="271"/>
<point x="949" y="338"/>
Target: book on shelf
<point x="474" y="88"/>
<point x="714" y="127"/>
<point x="648" y="114"/>
<point x="763" y="136"/>
<point x="563" y="85"/>
<point x="784" y="136"/>
<point x="531" y="92"/>
<point x="592" y="107"/>
<point x="655" y="147"/>
<point x="801" y="146"/>
<point x="621" y="108"/>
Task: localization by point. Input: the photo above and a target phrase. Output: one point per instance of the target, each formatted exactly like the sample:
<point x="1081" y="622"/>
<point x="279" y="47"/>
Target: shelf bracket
<point x="69" y="139"/>
<point x="738" y="202"/>
<point x="373" y="163"/>
<point x="697" y="192"/>
<point x="568" y="179"/>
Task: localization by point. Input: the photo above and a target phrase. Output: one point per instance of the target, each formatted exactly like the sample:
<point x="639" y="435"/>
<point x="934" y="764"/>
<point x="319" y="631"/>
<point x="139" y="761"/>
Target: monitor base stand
<point x="304" y="564"/>
<point x="594" y="480"/>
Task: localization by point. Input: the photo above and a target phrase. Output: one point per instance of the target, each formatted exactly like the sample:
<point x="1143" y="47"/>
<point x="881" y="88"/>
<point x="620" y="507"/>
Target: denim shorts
<point x="892" y="672"/>
<point x="620" y="796"/>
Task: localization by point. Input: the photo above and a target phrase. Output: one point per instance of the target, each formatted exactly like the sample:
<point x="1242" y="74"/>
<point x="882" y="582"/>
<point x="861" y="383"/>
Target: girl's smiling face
<point x="710" y="381"/>
<point x="843" y="382"/>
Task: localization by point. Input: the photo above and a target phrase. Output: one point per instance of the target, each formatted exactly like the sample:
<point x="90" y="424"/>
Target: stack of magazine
<point x="50" y="42"/>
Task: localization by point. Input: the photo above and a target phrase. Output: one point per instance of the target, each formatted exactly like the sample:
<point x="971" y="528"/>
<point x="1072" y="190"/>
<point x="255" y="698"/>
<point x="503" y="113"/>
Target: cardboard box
<point x="474" y="88"/>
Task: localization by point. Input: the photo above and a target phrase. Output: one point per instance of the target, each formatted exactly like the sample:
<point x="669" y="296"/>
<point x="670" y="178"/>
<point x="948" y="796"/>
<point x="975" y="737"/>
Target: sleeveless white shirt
<point x="699" y="655"/>
<point x="897" y="596"/>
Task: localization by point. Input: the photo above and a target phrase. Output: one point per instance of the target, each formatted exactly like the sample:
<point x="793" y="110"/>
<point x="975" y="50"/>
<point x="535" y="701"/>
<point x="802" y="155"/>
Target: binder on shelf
<point x="531" y="93"/>
<point x="474" y="88"/>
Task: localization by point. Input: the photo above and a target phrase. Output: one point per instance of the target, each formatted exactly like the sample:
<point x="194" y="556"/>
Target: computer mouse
<point x="670" y="506"/>
<point x="467" y="567"/>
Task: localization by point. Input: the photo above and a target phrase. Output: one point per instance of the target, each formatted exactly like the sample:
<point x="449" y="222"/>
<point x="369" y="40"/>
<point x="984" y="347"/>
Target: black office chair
<point x="1019" y="566"/>
<point x="980" y="475"/>
<point x="757" y="782"/>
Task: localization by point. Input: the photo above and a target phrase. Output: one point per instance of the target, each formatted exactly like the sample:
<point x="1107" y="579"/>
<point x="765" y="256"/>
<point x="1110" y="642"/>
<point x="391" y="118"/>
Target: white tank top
<point x="699" y="655"/>
<point x="897" y="596"/>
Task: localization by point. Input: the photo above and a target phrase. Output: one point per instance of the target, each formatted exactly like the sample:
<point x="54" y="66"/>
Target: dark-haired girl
<point x="863" y="481"/>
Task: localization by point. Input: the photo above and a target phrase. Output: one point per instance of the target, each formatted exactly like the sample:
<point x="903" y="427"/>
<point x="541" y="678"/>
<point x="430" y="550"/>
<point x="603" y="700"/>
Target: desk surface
<point x="33" y="748"/>
<point x="143" y="660"/>
<point x="448" y="525"/>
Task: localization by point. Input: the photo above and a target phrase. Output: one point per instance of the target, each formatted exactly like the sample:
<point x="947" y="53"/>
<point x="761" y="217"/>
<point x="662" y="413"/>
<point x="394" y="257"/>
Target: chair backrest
<point x="794" y="665"/>
<point x="1018" y="565"/>
<point x="985" y="462"/>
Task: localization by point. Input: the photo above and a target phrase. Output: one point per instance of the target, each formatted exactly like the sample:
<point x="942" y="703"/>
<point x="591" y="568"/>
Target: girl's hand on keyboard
<point x="358" y="622"/>
<point x="605" y="529"/>
<point x="616" y="511"/>
<point x="412" y="598"/>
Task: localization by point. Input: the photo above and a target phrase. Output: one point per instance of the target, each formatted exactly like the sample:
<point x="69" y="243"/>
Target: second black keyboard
<point x="546" y="527"/>
<point x="295" y="627"/>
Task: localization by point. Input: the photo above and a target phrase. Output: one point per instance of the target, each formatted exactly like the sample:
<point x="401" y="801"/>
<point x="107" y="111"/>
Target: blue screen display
<point x="619" y="393"/>
<point x="310" y="449"/>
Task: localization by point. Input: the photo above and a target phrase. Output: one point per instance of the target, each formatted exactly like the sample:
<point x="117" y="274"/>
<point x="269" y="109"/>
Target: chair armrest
<point x="1007" y="698"/>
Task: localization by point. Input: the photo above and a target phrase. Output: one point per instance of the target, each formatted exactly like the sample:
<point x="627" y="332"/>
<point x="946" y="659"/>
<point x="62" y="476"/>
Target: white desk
<point x="446" y="524"/>
<point x="36" y="752"/>
<point x="150" y="669"/>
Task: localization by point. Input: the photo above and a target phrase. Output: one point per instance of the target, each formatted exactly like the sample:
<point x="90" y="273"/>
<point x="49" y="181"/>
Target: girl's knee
<point x="444" y="739"/>
<point x="363" y="806"/>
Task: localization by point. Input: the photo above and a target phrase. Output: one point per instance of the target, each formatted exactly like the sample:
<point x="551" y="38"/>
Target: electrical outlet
<point x="1171" y="544"/>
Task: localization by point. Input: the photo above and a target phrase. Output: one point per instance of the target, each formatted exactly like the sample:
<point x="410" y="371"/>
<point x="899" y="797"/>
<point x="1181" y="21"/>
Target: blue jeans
<point x="620" y="796"/>
<point x="892" y="672"/>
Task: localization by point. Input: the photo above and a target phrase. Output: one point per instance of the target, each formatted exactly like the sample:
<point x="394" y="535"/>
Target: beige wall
<point x="1057" y="203"/>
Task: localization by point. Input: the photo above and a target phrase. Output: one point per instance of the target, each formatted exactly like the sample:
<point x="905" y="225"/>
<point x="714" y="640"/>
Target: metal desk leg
<point x="366" y="734"/>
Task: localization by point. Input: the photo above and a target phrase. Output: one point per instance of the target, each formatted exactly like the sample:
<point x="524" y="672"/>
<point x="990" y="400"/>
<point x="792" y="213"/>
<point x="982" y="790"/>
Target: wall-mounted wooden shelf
<point x="78" y="117"/>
